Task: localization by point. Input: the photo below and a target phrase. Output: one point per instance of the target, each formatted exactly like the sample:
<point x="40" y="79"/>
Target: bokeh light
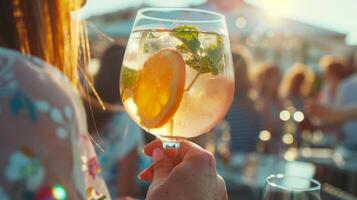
<point x="264" y="135"/>
<point x="307" y="152"/>
<point x="241" y="22"/>
<point x="59" y="193"/>
<point x="290" y="154"/>
<point x="288" y="138"/>
<point x="298" y="116"/>
<point x="317" y="136"/>
<point x="93" y="67"/>
<point x="284" y="115"/>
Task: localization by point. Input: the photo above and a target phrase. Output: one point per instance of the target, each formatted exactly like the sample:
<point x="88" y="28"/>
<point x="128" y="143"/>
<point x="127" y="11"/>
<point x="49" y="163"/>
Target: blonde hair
<point x="296" y="71"/>
<point x="43" y="28"/>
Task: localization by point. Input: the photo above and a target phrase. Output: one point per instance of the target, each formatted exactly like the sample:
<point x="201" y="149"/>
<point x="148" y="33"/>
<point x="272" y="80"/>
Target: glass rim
<point x="141" y="12"/>
<point x="280" y="176"/>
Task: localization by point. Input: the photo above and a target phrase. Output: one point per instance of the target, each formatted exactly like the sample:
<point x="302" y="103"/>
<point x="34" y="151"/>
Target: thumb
<point x="162" y="165"/>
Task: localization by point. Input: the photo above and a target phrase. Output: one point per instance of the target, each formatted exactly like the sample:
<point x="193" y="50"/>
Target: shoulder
<point x="42" y="111"/>
<point x="347" y="87"/>
<point x="11" y="60"/>
<point x="15" y="61"/>
<point x="345" y="93"/>
<point x="349" y="83"/>
<point x="32" y="86"/>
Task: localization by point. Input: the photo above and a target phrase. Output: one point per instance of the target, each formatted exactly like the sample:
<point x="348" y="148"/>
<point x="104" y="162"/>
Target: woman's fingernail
<point x="146" y="174"/>
<point x="157" y="155"/>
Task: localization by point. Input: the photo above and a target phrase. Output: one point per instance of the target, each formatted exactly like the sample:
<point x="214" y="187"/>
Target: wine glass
<point x="282" y="187"/>
<point x="177" y="77"/>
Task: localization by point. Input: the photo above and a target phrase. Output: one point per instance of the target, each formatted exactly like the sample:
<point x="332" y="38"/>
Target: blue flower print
<point x="62" y="117"/>
<point x="25" y="169"/>
<point x="42" y="106"/>
<point x="62" y="133"/>
<point x="56" y="116"/>
<point x="22" y="101"/>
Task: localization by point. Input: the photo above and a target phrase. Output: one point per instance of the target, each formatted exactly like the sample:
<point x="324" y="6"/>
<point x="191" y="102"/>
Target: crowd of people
<point x="265" y="92"/>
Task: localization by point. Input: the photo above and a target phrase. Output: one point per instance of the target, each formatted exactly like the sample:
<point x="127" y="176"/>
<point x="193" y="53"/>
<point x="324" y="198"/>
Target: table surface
<point x="338" y="158"/>
<point x="250" y="170"/>
<point x="253" y="169"/>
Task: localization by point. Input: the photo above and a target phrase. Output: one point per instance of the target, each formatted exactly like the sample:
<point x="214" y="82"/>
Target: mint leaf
<point x="203" y="60"/>
<point x="188" y="36"/>
<point x="182" y="48"/>
<point x="201" y="65"/>
<point x="216" y="51"/>
<point x="216" y="54"/>
<point x="128" y="76"/>
<point x="185" y="28"/>
<point x="205" y="65"/>
<point x="217" y="68"/>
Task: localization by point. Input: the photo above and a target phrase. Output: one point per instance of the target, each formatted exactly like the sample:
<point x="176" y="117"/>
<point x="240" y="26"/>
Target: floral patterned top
<point x="46" y="152"/>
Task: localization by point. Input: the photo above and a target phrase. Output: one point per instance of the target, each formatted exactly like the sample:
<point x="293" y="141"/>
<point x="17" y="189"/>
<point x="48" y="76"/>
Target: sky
<point x="335" y="15"/>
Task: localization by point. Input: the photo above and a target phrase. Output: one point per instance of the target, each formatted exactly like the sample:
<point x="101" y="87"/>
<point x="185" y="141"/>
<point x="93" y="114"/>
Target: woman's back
<point x="43" y="134"/>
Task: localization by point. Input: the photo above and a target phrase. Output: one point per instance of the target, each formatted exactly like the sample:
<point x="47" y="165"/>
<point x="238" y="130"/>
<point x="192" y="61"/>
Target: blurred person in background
<point x="46" y="152"/>
<point x="333" y="72"/>
<point x="119" y="137"/>
<point x="347" y="100"/>
<point x="296" y="85"/>
<point x="343" y="114"/>
<point x="244" y="120"/>
<point x="269" y="103"/>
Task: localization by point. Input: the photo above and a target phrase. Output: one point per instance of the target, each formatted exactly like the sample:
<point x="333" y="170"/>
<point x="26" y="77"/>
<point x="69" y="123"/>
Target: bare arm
<point x="330" y="117"/>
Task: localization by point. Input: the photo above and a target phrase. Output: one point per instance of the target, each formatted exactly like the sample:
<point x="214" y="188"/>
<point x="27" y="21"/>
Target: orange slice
<point x="160" y="87"/>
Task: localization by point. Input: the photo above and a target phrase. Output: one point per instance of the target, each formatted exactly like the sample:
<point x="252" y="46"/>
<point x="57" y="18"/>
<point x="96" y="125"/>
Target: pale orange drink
<point x="177" y="82"/>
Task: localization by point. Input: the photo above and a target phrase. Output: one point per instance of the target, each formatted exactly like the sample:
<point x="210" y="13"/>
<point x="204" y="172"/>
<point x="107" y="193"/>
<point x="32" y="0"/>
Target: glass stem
<point x="172" y="127"/>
